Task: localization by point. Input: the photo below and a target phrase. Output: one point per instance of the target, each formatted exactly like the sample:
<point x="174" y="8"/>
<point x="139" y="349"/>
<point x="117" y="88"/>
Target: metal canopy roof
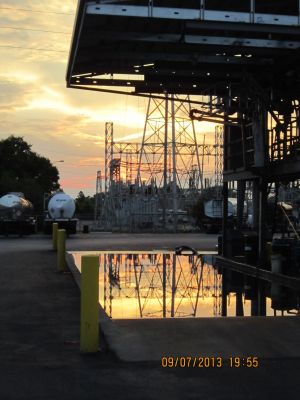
<point x="189" y="46"/>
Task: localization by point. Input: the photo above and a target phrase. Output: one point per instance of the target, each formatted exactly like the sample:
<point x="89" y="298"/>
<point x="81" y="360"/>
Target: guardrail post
<point x="61" y="250"/>
<point x="54" y="235"/>
<point x="89" y="321"/>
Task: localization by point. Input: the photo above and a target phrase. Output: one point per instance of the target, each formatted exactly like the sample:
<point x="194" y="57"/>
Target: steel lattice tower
<point x="219" y="159"/>
<point x="98" y="199"/>
<point x="112" y="180"/>
<point x="109" y="138"/>
<point x="169" y="153"/>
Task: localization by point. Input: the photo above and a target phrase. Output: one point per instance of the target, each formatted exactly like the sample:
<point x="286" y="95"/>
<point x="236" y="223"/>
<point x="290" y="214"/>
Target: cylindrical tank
<point x="214" y="208"/>
<point x="61" y="206"/>
<point x="13" y="206"/>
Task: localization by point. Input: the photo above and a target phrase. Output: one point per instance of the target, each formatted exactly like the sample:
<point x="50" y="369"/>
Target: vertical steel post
<point x="139" y="179"/>
<point x="252" y="11"/>
<point x="262" y="303"/>
<point x="165" y="175"/>
<point x="241" y="188"/>
<point x="254" y="300"/>
<point x="202" y="9"/>
<point x="255" y="204"/>
<point x="239" y="308"/>
<point x="224" y="291"/>
<point x="262" y="229"/>
<point x="97" y="209"/>
<point x="105" y="282"/>
<point x="150" y="8"/>
<point x="89" y="323"/>
<point x="109" y="141"/>
<point x="225" y="219"/>
<point x="61" y="250"/>
<point x="164" y="282"/>
<point x="174" y="287"/>
<point x="200" y="167"/>
<point x="174" y="167"/>
<point x="137" y="285"/>
<point x="225" y="163"/>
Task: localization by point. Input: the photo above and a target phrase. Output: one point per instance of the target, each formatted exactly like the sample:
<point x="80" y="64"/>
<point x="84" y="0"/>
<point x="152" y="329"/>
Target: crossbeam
<point x="200" y="39"/>
<point x="157" y="148"/>
<point x="191" y="14"/>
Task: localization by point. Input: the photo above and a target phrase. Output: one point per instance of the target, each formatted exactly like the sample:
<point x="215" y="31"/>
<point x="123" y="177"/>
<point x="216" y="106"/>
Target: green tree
<point x="22" y="170"/>
<point x="84" y="204"/>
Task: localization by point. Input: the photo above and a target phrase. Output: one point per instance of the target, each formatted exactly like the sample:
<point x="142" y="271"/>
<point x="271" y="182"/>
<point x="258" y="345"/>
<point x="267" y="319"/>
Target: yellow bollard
<point x="89" y="323"/>
<point x="61" y="250"/>
<point x="54" y="235"/>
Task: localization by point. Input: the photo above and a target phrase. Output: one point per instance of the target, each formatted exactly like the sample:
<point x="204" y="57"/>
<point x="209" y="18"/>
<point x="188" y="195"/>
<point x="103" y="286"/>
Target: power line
<point x="35" y="11"/>
<point x="32" y="48"/>
<point x="35" y="30"/>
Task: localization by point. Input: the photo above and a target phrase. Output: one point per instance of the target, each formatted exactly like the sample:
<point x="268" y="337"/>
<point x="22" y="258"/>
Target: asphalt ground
<point x="39" y="339"/>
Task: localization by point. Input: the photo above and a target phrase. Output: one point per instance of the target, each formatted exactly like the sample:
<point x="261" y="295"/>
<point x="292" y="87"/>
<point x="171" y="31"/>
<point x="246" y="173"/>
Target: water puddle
<point x="165" y="285"/>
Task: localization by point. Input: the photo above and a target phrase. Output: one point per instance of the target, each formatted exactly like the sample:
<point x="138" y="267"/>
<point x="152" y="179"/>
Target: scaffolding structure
<point x="98" y="197"/>
<point x="153" y="184"/>
<point x="171" y="135"/>
<point x="219" y="160"/>
<point x="111" y="200"/>
<point x="169" y="163"/>
<point x="109" y="139"/>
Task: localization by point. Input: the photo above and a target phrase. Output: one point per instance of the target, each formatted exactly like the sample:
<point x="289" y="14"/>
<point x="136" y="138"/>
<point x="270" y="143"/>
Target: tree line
<point x="23" y="170"/>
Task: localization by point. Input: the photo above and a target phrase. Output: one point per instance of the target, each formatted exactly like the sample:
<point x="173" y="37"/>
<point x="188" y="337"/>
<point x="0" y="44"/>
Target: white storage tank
<point x="211" y="221"/>
<point x="16" y="215"/>
<point x="214" y="208"/>
<point x="61" y="210"/>
<point x="14" y="206"/>
<point x="61" y="206"/>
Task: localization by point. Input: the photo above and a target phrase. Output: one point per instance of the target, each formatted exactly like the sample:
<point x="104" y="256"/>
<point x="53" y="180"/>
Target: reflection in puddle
<point x="163" y="285"/>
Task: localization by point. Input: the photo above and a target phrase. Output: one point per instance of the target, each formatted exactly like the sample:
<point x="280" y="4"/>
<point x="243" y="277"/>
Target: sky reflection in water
<point x="163" y="285"/>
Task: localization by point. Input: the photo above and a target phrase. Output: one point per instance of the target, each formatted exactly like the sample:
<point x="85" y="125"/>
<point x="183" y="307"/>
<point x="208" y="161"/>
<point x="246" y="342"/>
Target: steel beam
<point x="241" y="27"/>
<point x="198" y="40"/>
<point x="250" y="270"/>
<point x="190" y="14"/>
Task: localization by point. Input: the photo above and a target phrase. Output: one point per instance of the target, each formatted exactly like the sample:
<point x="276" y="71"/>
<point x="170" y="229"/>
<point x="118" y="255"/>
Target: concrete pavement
<point x="39" y="344"/>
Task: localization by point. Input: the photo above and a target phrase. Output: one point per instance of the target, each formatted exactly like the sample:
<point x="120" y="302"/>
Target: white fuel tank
<point x="214" y="209"/>
<point x="15" y="205"/>
<point x="61" y="206"/>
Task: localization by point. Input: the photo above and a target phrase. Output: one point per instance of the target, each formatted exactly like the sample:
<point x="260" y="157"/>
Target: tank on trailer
<point x="61" y="209"/>
<point x="213" y="213"/>
<point x="16" y="215"/>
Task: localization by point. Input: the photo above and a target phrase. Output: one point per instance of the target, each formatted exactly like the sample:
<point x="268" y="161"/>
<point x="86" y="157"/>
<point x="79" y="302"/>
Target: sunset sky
<point x="61" y="124"/>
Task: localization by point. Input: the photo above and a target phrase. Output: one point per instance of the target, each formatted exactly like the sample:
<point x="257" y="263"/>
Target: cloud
<point x="74" y="185"/>
<point x="17" y="76"/>
<point x="49" y="99"/>
<point x="13" y="95"/>
<point x="60" y="123"/>
<point x="23" y="42"/>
